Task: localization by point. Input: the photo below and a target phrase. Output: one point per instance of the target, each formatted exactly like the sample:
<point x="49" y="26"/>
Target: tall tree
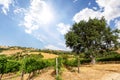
<point x="91" y="36"/>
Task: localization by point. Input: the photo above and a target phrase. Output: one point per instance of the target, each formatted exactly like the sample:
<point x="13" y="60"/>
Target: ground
<point x="87" y="72"/>
<point x="14" y="51"/>
<point x="94" y="72"/>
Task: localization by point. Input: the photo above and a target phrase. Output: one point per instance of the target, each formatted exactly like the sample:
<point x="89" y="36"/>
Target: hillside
<point x="100" y="71"/>
<point x="14" y="50"/>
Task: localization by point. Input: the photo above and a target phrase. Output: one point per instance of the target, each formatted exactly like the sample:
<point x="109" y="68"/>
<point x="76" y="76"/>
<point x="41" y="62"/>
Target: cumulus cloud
<point x="37" y="14"/>
<point x="85" y="14"/>
<point x="19" y="10"/>
<point x="63" y="28"/>
<point x="5" y="5"/>
<point x="110" y="9"/>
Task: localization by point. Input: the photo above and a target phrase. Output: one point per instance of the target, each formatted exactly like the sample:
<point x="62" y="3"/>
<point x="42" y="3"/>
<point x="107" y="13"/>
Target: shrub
<point x="12" y="66"/>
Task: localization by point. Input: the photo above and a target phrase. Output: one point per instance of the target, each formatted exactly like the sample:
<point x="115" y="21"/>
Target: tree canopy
<point x="92" y="35"/>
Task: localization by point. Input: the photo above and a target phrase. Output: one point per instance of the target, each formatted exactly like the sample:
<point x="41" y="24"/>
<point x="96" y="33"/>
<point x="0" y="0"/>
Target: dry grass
<point x="10" y="52"/>
<point x="95" y="72"/>
<point x="118" y="51"/>
<point x="49" y="56"/>
<point x="46" y="55"/>
<point x="46" y="75"/>
<point x="87" y="72"/>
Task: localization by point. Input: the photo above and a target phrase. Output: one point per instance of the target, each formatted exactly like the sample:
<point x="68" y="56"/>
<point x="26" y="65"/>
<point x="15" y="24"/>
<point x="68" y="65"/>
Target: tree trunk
<point x="78" y="64"/>
<point x="1" y="76"/>
<point x="22" y="75"/>
<point x="29" y="76"/>
<point x="93" y="61"/>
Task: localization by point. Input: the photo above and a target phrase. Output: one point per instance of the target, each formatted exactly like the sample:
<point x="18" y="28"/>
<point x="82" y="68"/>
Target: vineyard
<point x="39" y="65"/>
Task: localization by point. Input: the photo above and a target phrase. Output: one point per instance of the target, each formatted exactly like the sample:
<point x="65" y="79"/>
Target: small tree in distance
<point x="92" y="36"/>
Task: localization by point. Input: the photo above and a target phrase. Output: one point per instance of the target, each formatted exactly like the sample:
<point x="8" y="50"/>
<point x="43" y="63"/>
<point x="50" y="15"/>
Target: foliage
<point x="35" y="56"/>
<point x="91" y="36"/>
<point x="3" y="61"/>
<point x="111" y="56"/>
<point x="2" y="49"/>
<point x="20" y="56"/>
<point x="58" y="77"/>
<point x="29" y="65"/>
<point x="12" y="66"/>
<point x="58" y="52"/>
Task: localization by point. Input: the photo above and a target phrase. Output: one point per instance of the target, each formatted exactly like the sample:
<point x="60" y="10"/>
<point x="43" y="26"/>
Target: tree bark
<point x="93" y="61"/>
<point x="1" y="76"/>
<point x="29" y="76"/>
<point x="22" y="75"/>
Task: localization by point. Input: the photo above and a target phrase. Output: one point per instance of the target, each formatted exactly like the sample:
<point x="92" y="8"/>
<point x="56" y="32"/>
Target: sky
<point x="43" y="23"/>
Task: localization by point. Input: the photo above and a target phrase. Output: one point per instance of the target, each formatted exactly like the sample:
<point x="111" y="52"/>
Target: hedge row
<point x="26" y="65"/>
<point x="74" y="62"/>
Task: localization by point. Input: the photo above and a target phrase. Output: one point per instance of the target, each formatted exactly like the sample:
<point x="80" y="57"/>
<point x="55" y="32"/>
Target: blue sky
<point x="43" y="23"/>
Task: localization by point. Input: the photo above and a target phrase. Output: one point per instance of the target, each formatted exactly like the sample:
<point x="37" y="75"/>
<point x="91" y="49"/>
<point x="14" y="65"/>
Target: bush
<point x="3" y="61"/>
<point x="72" y="62"/>
<point x="12" y="66"/>
<point x="29" y="65"/>
<point x="111" y="56"/>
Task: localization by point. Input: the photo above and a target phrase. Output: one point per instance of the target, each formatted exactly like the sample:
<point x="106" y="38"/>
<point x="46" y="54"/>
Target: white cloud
<point x="41" y="38"/>
<point x="75" y="1"/>
<point x="52" y="47"/>
<point x="94" y="8"/>
<point x="5" y="5"/>
<point x="63" y="28"/>
<point x="85" y="14"/>
<point x="110" y="9"/>
<point x="19" y="10"/>
<point x="38" y="13"/>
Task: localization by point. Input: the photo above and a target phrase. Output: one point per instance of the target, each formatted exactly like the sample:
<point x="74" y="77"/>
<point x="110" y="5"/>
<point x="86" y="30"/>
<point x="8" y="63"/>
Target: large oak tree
<point x="91" y="36"/>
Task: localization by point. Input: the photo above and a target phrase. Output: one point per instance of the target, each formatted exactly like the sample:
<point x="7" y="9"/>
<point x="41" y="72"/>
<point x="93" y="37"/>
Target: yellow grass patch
<point x="46" y="55"/>
<point x="10" y="52"/>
